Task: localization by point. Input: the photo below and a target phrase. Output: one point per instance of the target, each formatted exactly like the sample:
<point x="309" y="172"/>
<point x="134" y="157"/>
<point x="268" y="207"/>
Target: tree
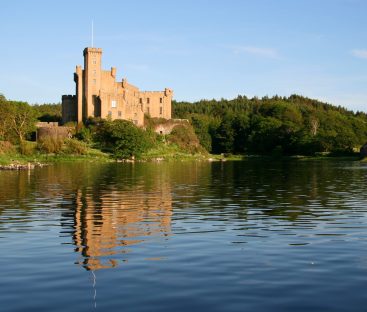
<point x="123" y="138"/>
<point x="201" y="124"/>
<point x="241" y="127"/>
<point x="17" y="119"/>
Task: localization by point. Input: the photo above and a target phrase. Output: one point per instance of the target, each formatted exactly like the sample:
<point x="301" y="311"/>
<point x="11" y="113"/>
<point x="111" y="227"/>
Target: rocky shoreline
<point x="18" y="166"/>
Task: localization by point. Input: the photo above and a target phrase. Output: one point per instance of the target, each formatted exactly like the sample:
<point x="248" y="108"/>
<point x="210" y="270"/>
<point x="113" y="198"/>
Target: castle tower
<point x="92" y="81"/>
<point x="78" y="78"/>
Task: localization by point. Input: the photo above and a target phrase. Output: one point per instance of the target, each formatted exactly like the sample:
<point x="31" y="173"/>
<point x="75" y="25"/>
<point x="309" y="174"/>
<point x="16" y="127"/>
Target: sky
<point x="201" y="49"/>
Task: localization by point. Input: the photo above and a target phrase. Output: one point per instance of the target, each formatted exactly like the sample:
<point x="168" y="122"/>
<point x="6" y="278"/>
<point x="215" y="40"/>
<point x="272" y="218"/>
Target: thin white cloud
<point x="359" y="53"/>
<point x="257" y="51"/>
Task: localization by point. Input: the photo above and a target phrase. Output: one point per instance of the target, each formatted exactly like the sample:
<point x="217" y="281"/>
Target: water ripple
<point x="234" y="236"/>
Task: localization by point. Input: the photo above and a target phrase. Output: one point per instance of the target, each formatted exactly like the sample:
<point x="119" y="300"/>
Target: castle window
<point x="148" y="100"/>
<point x="113" y="104"/>
<point x="161" y="110"/>
<point x="161" y="100"/>
<point x="141" y="101"/>
<point x="148" y="110"/>
<point x="109" y="113"/>
<point x="119" y="114"/>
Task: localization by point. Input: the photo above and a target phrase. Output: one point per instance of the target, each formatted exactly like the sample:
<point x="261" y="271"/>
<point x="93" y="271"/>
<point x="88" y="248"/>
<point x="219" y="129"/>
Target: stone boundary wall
<point x="54" y="132"/>
<point x="44" y="124"/>
<point x="167" y="126"/>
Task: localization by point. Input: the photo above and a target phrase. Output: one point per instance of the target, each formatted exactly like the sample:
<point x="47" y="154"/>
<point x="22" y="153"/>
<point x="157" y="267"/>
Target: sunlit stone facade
<point x="98" y="94"/>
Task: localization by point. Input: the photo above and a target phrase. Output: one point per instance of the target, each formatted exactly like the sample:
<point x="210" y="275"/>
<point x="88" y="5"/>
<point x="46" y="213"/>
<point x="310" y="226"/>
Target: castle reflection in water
<point x="117" y="212"/>
<point x="109" y="222"/>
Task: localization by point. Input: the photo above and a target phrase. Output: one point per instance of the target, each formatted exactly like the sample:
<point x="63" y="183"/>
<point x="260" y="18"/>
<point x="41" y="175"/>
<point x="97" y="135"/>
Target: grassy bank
<point x="17" y="158"/>
<point x="160" y="152"/>
<point x="168" y="154"/>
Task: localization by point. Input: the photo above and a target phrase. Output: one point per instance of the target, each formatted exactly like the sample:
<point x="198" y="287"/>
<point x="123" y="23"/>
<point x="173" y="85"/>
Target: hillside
<point x="278" y="125"/>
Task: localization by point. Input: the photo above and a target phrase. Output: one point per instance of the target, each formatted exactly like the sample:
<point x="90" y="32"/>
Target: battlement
<point x="166" y="92"/>
<point x="95" y="50"/>
<point x="152" y="92"/>
<point x="68" y="97"/>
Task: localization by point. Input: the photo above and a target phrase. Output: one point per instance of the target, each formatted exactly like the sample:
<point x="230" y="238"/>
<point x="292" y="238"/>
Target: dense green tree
<point x="241" y="128"/>
<point x="123" y="138"/>
<point x="223" y="141"/>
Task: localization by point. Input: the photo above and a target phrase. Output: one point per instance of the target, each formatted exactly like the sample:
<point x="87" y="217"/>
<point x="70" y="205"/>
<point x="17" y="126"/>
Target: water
<point x="185" y="236"/>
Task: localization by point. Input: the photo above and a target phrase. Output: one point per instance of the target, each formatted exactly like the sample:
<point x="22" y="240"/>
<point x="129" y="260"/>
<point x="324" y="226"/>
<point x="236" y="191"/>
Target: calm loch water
<point x="185" y="236"/>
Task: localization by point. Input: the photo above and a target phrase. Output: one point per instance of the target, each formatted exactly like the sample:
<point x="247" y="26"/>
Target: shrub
<point x="83" y="133"/>
<point x="7" y="148"/>
<point x="27" y="148"/>
<point x="151" y="122"/>
<point x="50" y="144"/>
<point x="185" y="138"/>
<point x="76" y="147"/>
<point x="123" y="138"/>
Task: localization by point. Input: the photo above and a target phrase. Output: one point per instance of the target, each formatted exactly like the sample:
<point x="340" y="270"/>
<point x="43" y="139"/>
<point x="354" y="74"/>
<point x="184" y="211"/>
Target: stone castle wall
<point x="69" y="108"/>
<point x="98" y="94"/>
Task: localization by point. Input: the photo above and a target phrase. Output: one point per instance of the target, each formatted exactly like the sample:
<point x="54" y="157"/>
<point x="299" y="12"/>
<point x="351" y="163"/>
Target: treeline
<point x="48" y="112"/>
<point x="292" y="125"/>
<point x="277" y="125"/>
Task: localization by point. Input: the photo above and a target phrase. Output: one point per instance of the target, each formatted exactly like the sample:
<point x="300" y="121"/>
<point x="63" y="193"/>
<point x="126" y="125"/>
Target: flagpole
<point x="92" y="33"/>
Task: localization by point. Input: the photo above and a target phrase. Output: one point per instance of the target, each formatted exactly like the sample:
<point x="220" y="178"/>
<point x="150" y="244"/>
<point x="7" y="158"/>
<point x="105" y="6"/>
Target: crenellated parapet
<point x="91" y="50"/>
<point x="68" y="97"/>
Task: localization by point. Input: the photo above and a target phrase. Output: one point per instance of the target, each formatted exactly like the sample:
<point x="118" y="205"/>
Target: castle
<point x="98" y="94"/>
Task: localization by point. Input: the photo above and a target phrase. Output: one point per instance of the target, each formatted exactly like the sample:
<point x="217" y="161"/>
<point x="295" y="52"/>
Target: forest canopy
<point x="277" y="125"/>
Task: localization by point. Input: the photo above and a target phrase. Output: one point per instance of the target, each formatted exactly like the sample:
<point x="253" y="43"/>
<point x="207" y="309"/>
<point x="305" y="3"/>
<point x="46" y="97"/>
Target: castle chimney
<point x="113" y="72"/>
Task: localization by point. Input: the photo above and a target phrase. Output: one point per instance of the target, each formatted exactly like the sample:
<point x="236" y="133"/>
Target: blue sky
<point x="200" y="49"/>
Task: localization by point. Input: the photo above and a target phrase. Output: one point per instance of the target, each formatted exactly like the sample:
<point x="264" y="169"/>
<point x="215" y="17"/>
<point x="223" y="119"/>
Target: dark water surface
<point x="185" y="236"/>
